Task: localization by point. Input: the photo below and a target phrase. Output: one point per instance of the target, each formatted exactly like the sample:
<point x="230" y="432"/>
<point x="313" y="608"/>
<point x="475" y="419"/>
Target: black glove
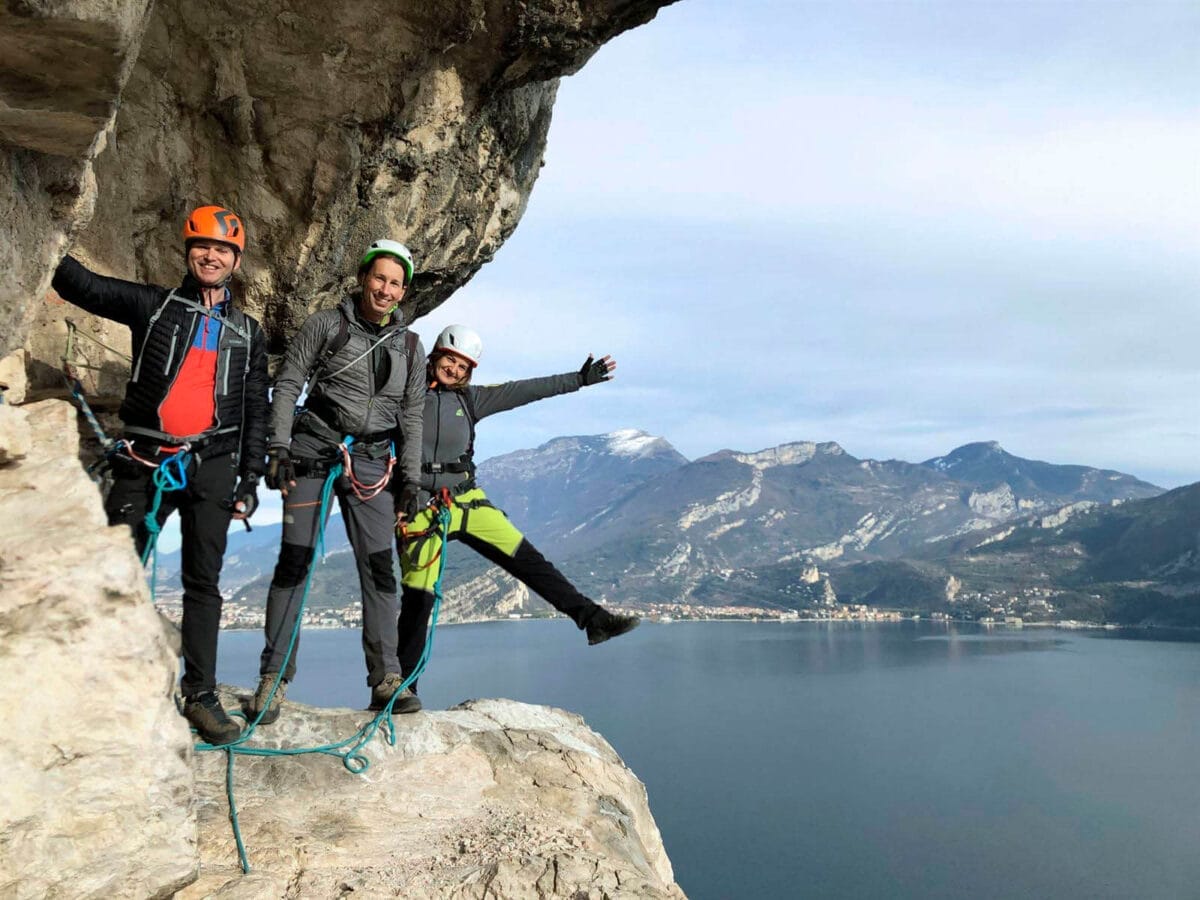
<point x="245" y="496"/>
<point x="406" y="506"/>
<point x="281" y="471"/>
<point x="595" y="370"/>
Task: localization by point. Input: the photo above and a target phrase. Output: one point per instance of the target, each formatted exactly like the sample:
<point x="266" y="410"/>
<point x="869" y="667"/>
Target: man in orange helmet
<point x="199" y="384"/>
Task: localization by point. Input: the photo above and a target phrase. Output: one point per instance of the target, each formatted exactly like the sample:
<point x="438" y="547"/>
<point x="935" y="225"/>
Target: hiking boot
<point x="406" y="701"/>
<point x="208" y="717"/>
<point x="259" y="702"/>
<point x="605" y="625"/>
<point x="381" y="693"/>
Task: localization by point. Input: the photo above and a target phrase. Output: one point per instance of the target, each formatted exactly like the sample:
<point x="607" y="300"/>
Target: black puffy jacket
<point x="163" y="324"/>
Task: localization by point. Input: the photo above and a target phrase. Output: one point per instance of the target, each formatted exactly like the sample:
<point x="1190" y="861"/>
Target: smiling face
<point x="212" y="262"/>
<point x="382" y="288"/>
<point x="450" y="370"/>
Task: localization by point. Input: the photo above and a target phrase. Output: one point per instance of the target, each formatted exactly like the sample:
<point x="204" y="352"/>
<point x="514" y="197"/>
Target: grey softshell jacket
<point x="345" y="390"/>
<point x="447" y="431"/>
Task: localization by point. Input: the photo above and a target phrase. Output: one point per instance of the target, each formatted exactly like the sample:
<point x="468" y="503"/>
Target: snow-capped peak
<point x="631" y="442"/>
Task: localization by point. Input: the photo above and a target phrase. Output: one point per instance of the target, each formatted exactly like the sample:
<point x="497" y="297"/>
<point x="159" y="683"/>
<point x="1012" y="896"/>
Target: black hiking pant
<point x="205" y="510"/>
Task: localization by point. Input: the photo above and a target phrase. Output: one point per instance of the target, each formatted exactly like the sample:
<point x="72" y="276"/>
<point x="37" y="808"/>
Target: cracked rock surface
<point x="490" y="799"/>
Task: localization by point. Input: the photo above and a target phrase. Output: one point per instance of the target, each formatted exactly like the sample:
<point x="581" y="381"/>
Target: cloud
<point x="1040" y="144"/>
<point x="836" y="337"/>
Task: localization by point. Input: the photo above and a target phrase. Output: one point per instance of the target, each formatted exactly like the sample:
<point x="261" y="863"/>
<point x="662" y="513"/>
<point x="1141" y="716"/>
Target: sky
<point x="898" y="226"/>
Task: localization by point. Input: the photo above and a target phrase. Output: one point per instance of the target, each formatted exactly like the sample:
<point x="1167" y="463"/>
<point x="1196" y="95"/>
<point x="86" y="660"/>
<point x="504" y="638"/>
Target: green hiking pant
<point x="487" y="531"/>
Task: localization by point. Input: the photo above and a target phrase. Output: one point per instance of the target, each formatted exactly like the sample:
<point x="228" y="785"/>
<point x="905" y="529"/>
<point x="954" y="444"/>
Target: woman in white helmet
<point x="453" y="406"/>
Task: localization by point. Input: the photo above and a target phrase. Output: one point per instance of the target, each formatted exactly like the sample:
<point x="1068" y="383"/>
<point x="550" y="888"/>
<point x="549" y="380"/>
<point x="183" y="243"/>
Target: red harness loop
<point x="362" y="491"/>
<point x="443" y="499"/>
<point x="125" y="446"/>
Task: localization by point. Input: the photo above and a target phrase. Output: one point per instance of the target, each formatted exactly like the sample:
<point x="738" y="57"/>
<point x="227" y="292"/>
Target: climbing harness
<point x="443" y="499"/>
<point x="307" y="421"/>
<point x="350" y="750"/>
<point x="440" y="503"/>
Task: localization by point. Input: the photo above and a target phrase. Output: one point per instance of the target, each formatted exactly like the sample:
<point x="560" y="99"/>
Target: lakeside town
<point x="241" y="616"/>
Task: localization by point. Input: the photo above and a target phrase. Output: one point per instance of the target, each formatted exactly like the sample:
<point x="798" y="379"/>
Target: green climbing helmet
<point x="394" y="249"/>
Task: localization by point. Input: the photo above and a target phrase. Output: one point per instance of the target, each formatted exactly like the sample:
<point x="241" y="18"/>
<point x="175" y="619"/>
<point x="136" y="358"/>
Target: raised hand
<point x="595" y="370"/>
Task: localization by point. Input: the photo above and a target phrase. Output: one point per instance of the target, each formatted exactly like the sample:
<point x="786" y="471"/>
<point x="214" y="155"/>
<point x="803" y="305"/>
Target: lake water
<point x="900" y="760"/>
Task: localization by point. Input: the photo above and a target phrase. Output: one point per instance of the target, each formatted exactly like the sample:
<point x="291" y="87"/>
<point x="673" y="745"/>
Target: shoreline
<point x="1063" y="625"/>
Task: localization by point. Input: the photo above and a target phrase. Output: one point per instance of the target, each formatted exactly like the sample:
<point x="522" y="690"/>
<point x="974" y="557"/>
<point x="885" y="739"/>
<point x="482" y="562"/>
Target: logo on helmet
<point x="230" y="226"/>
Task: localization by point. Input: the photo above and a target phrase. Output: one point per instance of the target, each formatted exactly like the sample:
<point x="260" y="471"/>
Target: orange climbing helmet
<point x="215" y="223"/>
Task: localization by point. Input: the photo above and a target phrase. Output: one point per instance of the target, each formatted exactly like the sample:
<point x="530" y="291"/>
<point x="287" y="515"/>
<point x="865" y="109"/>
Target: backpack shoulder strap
<point x="333" y="343"/>
<point x="239" y="323"/>
<point x="416" y="366"/>
<point x="468" y="402"/>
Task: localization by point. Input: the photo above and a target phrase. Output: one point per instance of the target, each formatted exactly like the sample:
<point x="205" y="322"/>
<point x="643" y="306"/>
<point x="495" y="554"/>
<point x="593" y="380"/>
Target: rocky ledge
<point x="490" y="799"/>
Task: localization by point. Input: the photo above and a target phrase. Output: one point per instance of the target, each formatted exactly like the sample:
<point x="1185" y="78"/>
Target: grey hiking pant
<point x="370" y="527"/>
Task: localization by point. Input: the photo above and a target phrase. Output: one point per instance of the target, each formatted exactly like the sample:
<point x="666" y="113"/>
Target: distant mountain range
<point x="987" y="463"/>
<point x="976" y="532"/>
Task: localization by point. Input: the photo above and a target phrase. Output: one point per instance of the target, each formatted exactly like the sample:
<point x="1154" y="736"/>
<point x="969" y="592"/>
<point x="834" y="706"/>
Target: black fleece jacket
<point x="163" y="324"/>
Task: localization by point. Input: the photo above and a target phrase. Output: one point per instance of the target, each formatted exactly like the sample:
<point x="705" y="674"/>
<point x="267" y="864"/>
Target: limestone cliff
<point x="325" y="126"/>
<point x="62" y="70"/>
<point x="94" y="758"/>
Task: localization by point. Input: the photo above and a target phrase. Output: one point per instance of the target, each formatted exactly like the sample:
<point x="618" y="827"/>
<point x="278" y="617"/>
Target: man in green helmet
<point x="365" y="373"/>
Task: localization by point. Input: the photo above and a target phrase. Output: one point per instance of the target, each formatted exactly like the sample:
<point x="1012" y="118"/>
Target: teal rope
<point x="354" y="760"/>
<point x="171" y="475"/>
<point x="326" y="494"/>
<point x="237" y="832"/>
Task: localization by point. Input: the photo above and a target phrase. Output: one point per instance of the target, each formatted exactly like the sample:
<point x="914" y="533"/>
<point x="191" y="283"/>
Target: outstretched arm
<point x="126" y="302"/>
<point x="494" y="398"/>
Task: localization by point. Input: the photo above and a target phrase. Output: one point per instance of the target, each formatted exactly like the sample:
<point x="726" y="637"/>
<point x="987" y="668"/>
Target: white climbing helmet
<point x="395" y="249"/>
<point x="461" y="341"/>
